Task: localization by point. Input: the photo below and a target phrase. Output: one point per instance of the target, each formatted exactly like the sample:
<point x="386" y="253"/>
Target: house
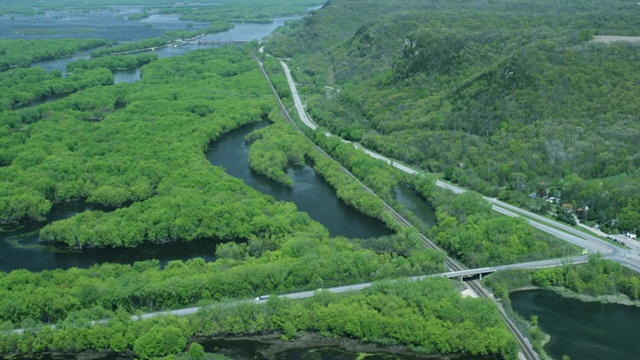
<point x="567" y="208"/>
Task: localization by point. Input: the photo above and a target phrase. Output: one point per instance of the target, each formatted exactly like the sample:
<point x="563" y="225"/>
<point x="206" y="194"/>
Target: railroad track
<point x="451" y="264"/>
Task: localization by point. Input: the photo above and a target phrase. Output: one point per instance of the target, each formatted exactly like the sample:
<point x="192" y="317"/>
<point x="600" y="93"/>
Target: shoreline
<point x="276" y="346"/>
<point x="620" y="299"/>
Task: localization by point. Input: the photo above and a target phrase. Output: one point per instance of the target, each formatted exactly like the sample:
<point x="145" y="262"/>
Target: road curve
<point x="593" y="244"/>
<point x="527" y="349"/>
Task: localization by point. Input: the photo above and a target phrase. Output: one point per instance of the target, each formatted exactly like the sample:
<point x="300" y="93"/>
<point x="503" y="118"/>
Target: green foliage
<point x="196" y="351"/>
<point x="429" y="314"/>
<point x="139" y="16"/>
<point x="116" y="145"/>
<point x="470" y="231"/>
<point x="133" y="46"/>
<point x="507" y="96"/>
<point x="261" y="266"/>
<point x="598" y="277"/>
<point x="160" y="341"/>
<point x="22" y="53"/>
<point x="113" y="63"/>
<point x="21" y="86"/>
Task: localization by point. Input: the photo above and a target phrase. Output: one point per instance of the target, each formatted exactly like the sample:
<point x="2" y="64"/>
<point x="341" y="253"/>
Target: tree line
<point x="113" y="63"/>
<point x="22" y="86"/>
<point x="429" y="316"/>
<point x="22" y="53"/>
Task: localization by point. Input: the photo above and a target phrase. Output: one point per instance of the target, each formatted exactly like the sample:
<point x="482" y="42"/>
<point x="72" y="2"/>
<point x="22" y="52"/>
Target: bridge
<point x="220" y="42"/>
<point x="477" y="274"/>
<point x="462" y="274"/>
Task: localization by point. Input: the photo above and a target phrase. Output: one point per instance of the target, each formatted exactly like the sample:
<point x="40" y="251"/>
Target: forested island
<point x="508" y="98"/>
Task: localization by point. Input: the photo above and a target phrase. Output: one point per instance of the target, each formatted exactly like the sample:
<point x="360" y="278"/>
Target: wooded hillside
<point x="506" y="97"/>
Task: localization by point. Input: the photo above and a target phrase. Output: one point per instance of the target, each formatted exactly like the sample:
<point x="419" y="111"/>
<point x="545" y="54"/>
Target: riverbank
<point x="270" y="346"/>
<point x="275" y="346"/>
<point x="620" y="299"/>
<point x="588" y="330"/>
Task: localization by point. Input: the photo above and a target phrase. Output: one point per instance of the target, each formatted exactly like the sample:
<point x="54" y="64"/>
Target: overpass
<point x="462" y="274"/>
<point x="625" y="257"/>
<point x="477" y="274"/>
<point x="527" y="349"/>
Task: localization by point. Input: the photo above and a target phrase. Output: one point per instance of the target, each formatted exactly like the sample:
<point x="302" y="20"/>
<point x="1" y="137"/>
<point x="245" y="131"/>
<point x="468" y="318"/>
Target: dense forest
<point x="113" y="63"/>
<point x="598" y="277"/>
<point x="430" y="316"/>
<point x="511" y="98"/>
<point x="21" y="86"/>
<point x="492" y="99"/>
<point x="16" y="53"/>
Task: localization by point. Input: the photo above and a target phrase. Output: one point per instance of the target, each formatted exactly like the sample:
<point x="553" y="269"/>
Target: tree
<point x="196" y="351"/>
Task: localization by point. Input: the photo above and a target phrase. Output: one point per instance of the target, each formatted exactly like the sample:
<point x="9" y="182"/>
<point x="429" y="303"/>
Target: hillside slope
<point x="507" y="97"/>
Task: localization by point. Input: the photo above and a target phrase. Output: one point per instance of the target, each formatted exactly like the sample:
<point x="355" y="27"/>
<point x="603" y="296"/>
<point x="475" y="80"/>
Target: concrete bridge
<point x="477" y="274"/>
<point x="220" y="42"/>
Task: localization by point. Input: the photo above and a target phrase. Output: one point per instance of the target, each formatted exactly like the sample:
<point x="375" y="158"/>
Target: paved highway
<point x="628" y="258"/>
<point x="357" y="287"/>
<point x="296" y="98"/>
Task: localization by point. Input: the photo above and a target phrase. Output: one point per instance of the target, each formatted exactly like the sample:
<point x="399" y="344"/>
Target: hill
<point x="507" y="97"/>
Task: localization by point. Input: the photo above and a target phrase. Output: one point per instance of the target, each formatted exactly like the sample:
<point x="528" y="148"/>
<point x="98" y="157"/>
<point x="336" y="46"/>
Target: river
<point x="244" y="32"/>
<point x="310" y="192"/>
<point x="19" y="248"/>
<point x="416" y="204"/>
<point x="581" y="330"/>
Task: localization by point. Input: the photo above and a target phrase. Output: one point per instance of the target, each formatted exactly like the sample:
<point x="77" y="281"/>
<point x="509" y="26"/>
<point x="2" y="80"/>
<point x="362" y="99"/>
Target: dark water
<point x="417" y="205"/>
<point x="237" y="349"/>
<point x="20" y="249"/>
<point x="128" y="76"/>
<point x="582" y="330"/>
<point x="310" y="192"/>
<point x="243" y="349"/>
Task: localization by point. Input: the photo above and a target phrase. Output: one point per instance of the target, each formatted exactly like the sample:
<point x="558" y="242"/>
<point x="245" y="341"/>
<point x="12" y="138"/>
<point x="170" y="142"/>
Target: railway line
<point x="451" y="264"/>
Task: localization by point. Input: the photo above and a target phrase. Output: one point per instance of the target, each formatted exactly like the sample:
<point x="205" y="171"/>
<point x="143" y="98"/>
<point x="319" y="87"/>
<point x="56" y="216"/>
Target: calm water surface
<point x="417" y="205"/>
<point x="310" y="192"/>
<point x="19" y="247"/>
<point x="582" y="330"/>
<point x="103" y="24"/>
<point x="242" y="349"/>
<point x="237" y="349"/>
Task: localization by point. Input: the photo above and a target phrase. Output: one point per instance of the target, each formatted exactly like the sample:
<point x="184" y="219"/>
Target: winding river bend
<point x="19" y="248"/>
<point x="310" y="192"/>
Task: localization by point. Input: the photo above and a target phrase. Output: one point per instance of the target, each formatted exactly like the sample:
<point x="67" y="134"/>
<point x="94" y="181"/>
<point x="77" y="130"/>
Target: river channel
<point x="248" y="349"/>
<point x="581" y="330"/>
<point x="19" y="248"/>
<point x="310" y="192"/>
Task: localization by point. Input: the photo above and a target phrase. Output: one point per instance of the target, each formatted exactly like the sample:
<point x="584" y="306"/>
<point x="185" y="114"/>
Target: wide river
<point x="582" y="330"/>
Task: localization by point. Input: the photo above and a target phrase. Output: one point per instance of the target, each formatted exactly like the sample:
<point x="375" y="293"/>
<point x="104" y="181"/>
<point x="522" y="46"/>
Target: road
<point x="296" y="98"/>
<point x="359" y="287"/>
<point x="475" y="286"/>
<point x="628" y="258"/>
